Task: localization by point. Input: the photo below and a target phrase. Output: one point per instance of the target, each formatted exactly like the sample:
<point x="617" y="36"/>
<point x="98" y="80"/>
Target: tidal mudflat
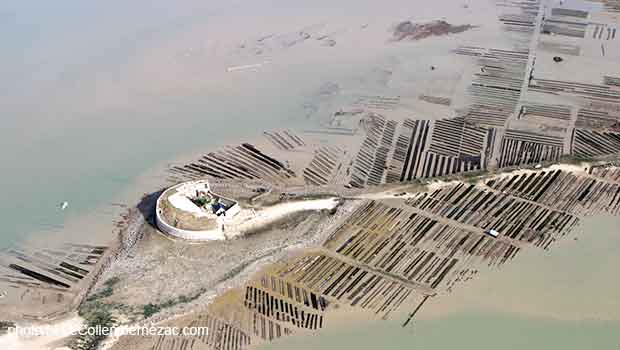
<point x="457" y="141"/>
<point x="564" y="298"/>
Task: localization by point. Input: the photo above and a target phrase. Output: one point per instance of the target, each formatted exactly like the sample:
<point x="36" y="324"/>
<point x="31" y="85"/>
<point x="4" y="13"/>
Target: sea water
<point x="566" y="298"/>
<point x="467" y="331"/>
<point x="94" y="95"/>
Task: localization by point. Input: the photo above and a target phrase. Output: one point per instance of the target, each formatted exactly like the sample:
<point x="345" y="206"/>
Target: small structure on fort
<point x="191" y="211"/>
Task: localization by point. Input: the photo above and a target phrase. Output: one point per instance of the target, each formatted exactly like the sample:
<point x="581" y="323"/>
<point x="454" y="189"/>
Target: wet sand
<point x="566" y="298"/>
<point x="183" y="89"/>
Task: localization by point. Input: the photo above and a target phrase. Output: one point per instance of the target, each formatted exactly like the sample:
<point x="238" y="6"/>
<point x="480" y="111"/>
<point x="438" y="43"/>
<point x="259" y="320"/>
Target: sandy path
<point x="279" y="212"/>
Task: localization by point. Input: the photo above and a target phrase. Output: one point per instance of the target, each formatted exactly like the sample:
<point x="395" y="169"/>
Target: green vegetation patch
<point x="108" y="289"/>
<point x="92" y="332"/>
<point x="151" y="309"/>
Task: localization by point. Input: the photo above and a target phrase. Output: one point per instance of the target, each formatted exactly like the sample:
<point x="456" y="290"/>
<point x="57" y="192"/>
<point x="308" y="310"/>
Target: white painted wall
<point x="207" y="235"/>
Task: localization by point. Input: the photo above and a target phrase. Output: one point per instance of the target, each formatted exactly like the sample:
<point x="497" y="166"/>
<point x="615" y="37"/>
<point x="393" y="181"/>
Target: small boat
<point x="64" y="205"/>
<point x="244" y="67"/>
<point x="492" y="233"/>
<point x="3" y="294"/>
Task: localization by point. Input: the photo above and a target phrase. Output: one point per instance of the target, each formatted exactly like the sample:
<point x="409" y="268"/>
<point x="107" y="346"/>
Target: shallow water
<point x="80" y="124"/>
<point x="94" y="95"/>
<point x="566" y="298"/>
<point x="467" y="331"/>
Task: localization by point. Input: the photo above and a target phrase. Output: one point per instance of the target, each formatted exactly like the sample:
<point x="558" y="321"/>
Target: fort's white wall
<point x="238" y="222"/>
<point x="207" y="235"/>
<point x="232" y="211"/>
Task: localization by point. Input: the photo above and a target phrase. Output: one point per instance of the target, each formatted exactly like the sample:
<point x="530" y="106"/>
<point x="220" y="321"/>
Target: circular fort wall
<point x="196" y="235"/>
